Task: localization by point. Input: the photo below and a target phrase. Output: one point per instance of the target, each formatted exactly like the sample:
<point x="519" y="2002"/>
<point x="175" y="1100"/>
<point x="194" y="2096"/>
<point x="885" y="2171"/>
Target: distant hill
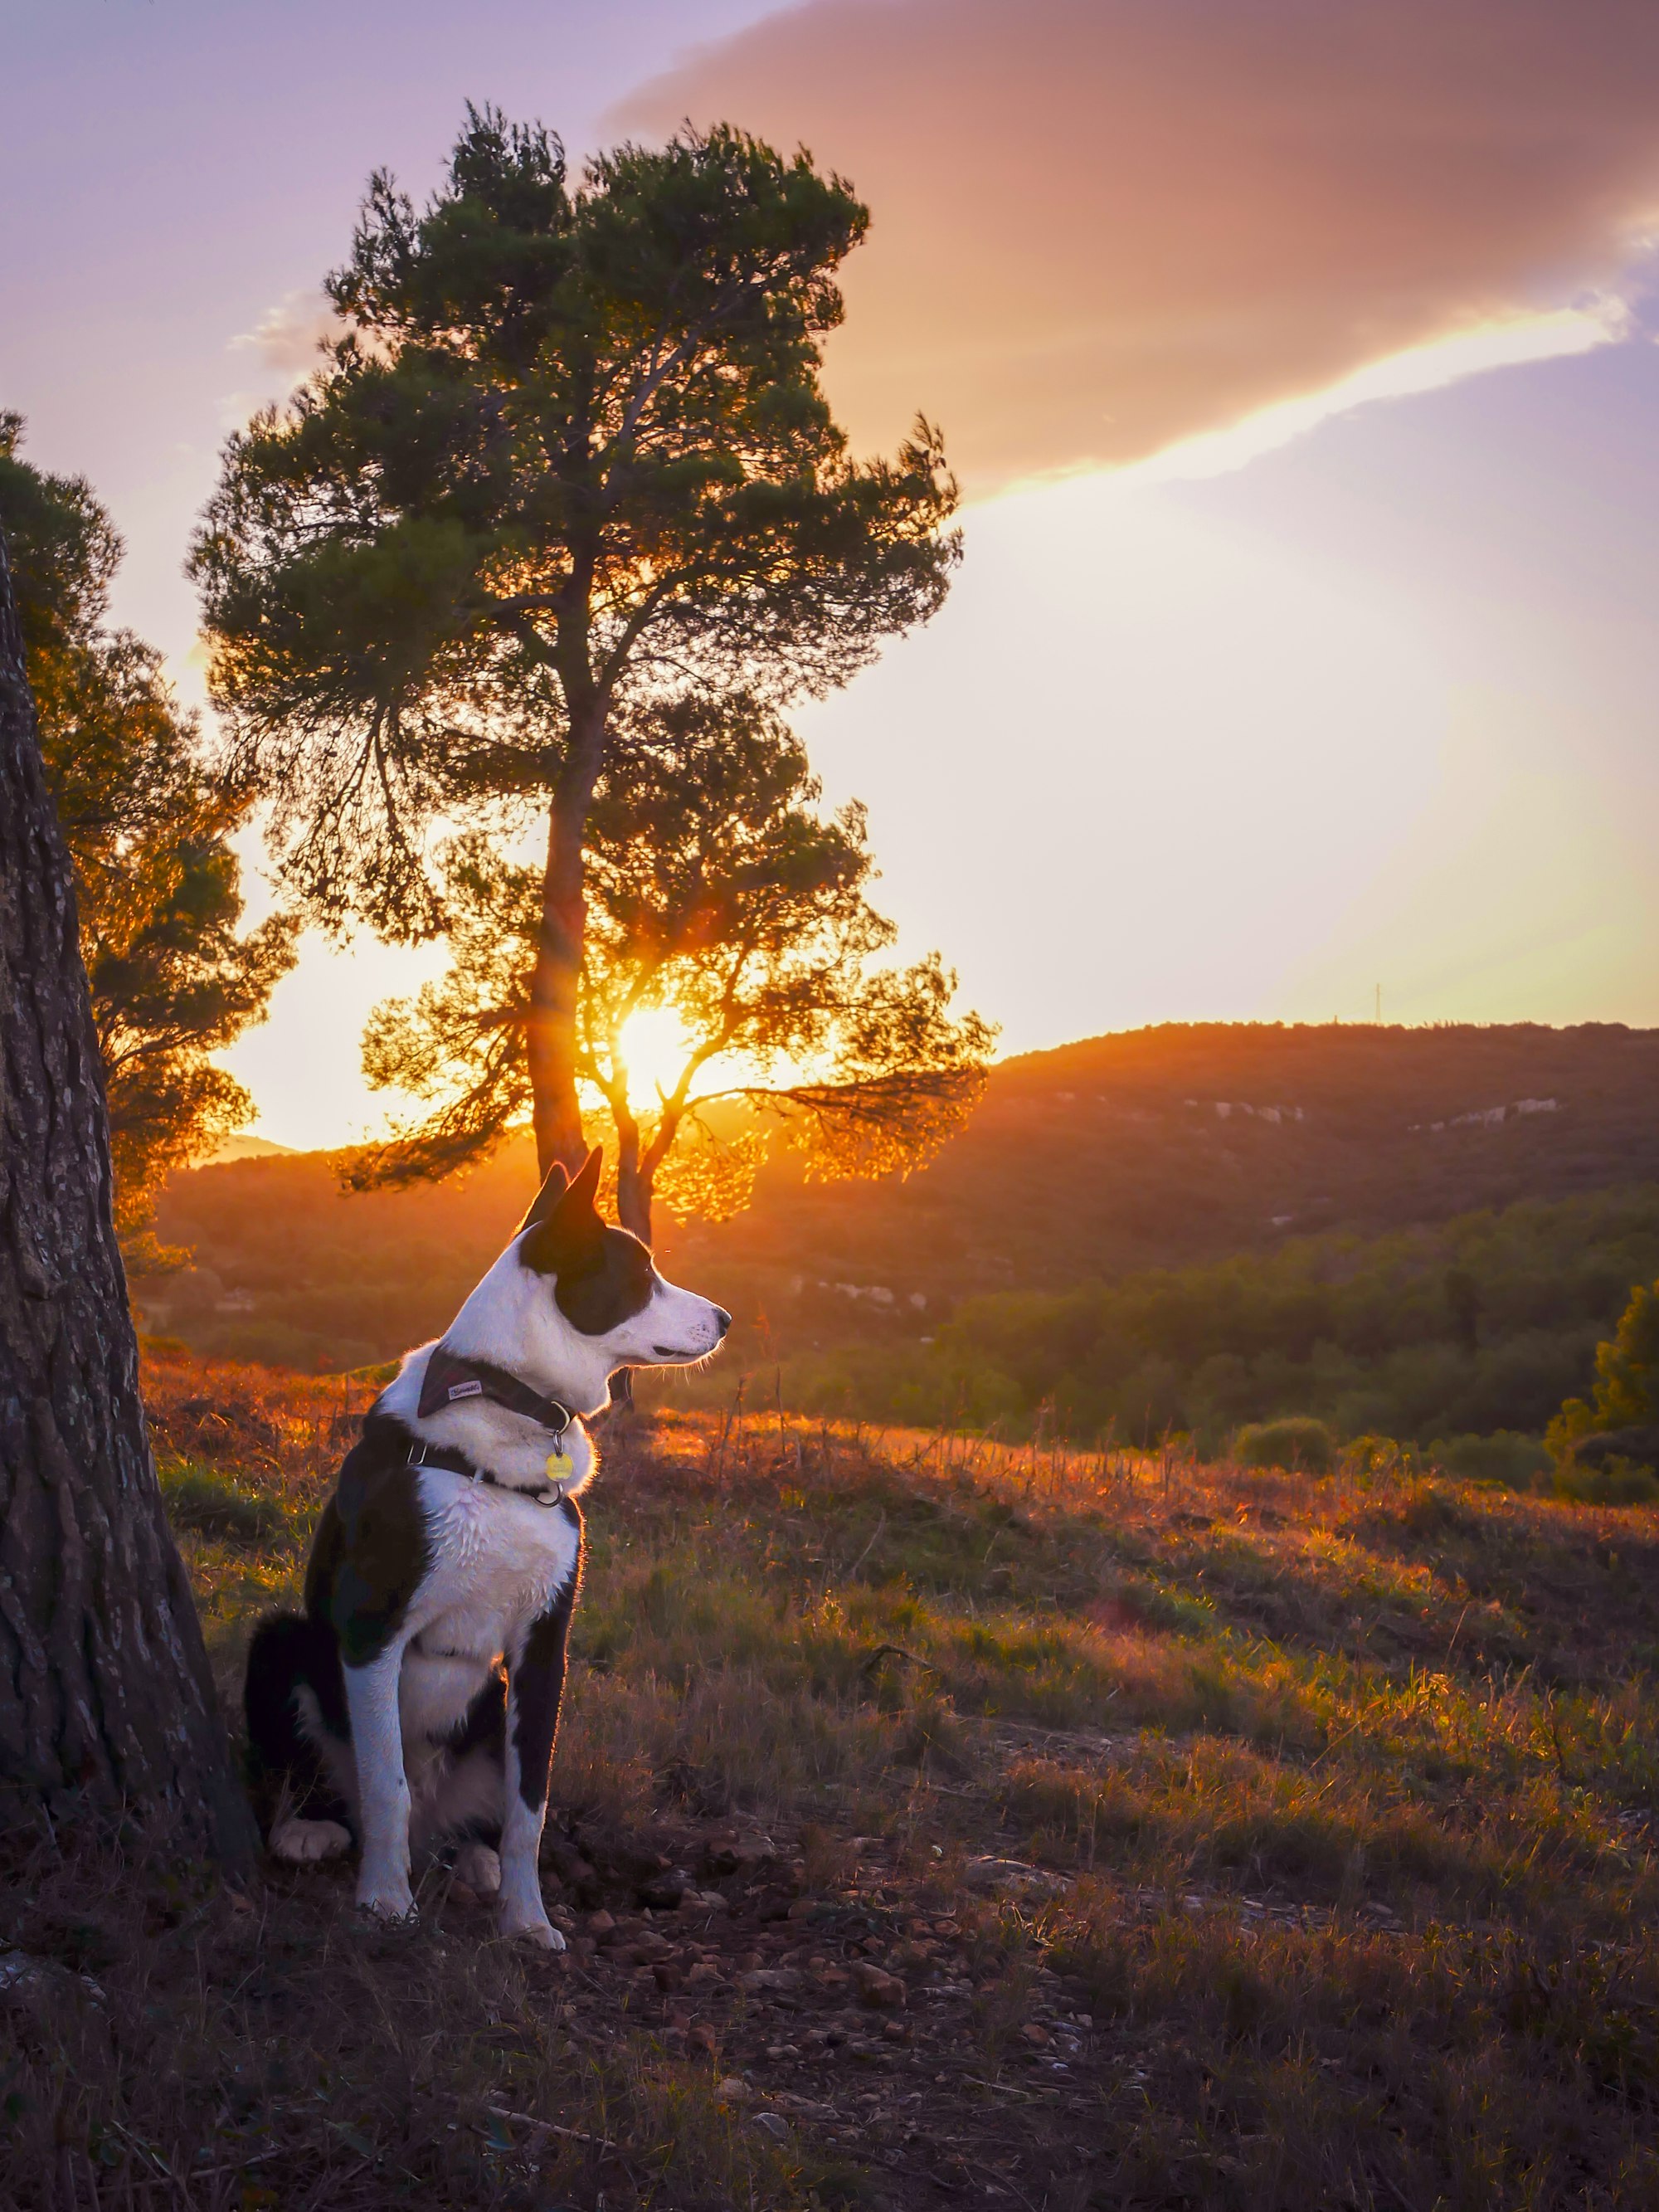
<point x="1157" y="1147"/>
<point x="1163" y="1146"/>
<point x="245" y="1147"/>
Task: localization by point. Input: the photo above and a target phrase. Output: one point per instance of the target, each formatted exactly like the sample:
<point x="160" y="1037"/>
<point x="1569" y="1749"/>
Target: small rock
<point x="1035" y="2032"/>
<point x="665" y="1890"/>
<point x="896" y="2030"/>
<point x="701" y="2037"/>
<point x="704" y="1971"/>
<point x="23" y="1978"/>
<point x="770" y="1981"/>
<point x="703" y="1900"/>
<point x="600" y="1923"/>
<point x="883" y="1991"/>
<point x="734" y="2090"/>
<point x="774" y="2124"/>
<point x="1013" y="1877"/>
<point x="740" y="1854"/>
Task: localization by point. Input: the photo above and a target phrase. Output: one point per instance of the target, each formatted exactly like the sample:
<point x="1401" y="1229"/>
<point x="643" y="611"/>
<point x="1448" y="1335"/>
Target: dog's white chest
<point x="497" y="1563"/>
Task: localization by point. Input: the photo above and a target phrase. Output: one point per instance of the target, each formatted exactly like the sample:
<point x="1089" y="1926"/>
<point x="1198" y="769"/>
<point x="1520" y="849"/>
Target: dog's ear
<point x="585" y="1191"/>
<point x="570" y="1236"/>
<point x="553" y="1187"/>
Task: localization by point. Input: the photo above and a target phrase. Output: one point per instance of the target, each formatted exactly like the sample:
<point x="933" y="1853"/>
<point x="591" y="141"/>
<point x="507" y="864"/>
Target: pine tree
<point x="570" y="456"/>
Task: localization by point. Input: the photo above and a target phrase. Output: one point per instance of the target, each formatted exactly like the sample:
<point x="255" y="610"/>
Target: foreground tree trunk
<point x="107" y="1703"/>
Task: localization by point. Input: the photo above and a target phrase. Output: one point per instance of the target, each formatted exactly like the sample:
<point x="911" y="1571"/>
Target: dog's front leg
<point x="376" y="1744"/>
<point x="535" y="1685"/>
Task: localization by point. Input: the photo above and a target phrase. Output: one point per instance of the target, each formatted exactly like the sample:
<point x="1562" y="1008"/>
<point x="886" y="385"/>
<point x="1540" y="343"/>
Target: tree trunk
<point x="555" y="985"/>
<point x="107" y="1703"/>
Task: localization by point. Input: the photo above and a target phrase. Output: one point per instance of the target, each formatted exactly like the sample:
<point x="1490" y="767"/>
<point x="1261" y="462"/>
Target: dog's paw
<point x="479" y="1868"/>
<point x="390" y="1901"/>
<point x="302" y="1842"/>
<point x="542" y="1934"/>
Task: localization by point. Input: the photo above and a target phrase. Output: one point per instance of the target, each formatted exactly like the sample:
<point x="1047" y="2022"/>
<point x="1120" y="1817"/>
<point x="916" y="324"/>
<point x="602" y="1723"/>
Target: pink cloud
<point x="1101" y="226"/>
<point x="288" y="337"/>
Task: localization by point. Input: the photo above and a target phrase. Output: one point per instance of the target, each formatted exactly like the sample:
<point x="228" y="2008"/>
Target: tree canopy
<point x="571" y="457"/>
<point x="157" y="884"/>
<point x="1625" y="1394"/>
<point x="719" y="890"/>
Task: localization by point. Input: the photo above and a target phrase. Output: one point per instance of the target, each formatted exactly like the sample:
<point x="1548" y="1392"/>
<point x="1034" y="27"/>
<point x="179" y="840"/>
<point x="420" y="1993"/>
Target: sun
<point x="655" y="1049"/>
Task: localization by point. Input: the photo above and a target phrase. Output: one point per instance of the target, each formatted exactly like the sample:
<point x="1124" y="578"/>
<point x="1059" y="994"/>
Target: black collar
<point x="453" y="1380"/>
<point x="457" y="1462"/>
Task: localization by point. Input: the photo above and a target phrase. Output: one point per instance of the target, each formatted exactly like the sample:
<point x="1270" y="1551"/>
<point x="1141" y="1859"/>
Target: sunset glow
<point x="1302" y="640"/>
<point x="654" y="1053"/>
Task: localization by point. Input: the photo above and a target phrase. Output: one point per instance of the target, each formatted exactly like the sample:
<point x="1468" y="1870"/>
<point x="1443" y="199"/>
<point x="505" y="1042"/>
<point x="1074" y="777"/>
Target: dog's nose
<point x="723" y="1318"/>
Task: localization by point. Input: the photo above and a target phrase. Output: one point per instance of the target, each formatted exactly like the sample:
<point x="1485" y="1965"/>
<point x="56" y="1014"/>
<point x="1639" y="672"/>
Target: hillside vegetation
<point x="1165" y="1146"/>
<point x="1484" y="1324"/>
<point x="1419" y="1232"/>
<point x="1085" y="1831"/>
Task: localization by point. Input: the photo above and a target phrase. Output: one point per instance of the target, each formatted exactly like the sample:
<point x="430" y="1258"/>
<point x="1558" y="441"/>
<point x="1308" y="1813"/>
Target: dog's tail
<point x="292" y="1654"/>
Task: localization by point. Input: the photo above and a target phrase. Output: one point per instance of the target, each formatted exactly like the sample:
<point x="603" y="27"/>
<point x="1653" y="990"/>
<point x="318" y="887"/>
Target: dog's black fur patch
<point x="612" y="1289"/>
<point x="540" y="1679"/>
<point x="602" y="1276"/>
<point x="290" y="1652"/>
<point x="371" y="1553"/>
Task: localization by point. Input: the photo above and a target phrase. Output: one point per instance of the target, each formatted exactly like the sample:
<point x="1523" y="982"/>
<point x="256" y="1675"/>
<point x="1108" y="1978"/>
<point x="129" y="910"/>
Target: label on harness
<point x="465" y="1390"/>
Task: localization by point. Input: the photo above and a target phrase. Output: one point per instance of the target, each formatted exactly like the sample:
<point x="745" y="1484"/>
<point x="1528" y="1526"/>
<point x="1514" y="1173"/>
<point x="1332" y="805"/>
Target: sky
<point x="1298" y="362"/>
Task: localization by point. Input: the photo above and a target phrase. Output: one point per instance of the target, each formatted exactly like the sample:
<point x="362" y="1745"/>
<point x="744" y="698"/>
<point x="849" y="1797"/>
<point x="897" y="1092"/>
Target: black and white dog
<point x="415" y="1700"/>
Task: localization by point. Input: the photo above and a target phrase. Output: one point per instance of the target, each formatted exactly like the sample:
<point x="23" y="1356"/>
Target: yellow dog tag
<point x="560" y="1465"/>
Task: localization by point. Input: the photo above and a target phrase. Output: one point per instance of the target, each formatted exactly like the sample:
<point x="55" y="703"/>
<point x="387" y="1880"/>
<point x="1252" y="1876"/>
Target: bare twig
<point x="549" y="2127"/>
<point x="894" y="1651"/>
<point x="881" y="1523"/>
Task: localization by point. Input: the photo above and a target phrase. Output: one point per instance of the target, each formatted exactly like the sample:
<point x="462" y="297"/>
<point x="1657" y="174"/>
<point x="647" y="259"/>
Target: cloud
<point x="286" y="338"/>
<point x="1106" y="228"/>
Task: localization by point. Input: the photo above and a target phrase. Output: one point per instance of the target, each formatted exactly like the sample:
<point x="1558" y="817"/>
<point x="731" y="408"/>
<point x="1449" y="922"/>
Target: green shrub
<point x="1380" y="1457"/>
<point x="1513" y="1461"/>
<point x="1616" y="1482"/>
<point x="1297" y="1442"/>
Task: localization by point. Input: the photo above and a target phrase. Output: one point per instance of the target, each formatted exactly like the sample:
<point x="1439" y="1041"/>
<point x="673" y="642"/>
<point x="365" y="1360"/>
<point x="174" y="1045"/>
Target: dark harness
<point x="453" y="1380"/>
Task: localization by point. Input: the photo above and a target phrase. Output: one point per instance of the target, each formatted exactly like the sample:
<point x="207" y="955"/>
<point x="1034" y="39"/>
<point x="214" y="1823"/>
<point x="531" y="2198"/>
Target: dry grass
<point x="1328" y="1803"/>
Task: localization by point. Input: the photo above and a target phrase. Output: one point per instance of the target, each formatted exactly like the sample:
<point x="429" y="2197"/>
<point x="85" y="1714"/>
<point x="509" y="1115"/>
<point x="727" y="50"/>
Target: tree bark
<point x="555" y="984"/>
<point x="107" y="1702"/>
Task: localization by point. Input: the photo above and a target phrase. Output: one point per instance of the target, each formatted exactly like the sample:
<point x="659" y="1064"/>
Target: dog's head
<point x="574" y="1299"/>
